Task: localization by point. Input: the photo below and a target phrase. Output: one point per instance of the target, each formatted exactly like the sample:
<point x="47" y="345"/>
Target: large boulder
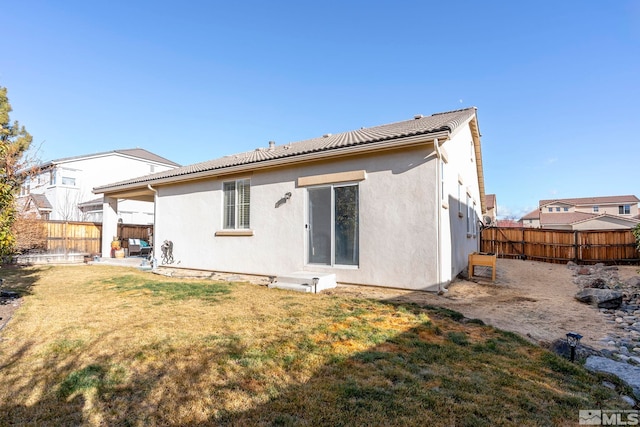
<point x="603" y="298"/>
<point x="628" y="373"/>
<point x="633" y="281"/>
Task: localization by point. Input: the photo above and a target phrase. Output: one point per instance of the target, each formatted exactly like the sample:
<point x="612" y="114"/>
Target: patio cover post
<point x="109" y="223"/>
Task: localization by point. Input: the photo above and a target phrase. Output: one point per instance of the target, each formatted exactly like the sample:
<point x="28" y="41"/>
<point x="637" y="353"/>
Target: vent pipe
<point x="272" y="145"/>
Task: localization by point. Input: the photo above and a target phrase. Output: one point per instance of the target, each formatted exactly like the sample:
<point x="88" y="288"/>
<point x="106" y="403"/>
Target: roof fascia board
<point x="103" y="154"/>
<point x="284" y="161"/>
<point x="475" y="134"/>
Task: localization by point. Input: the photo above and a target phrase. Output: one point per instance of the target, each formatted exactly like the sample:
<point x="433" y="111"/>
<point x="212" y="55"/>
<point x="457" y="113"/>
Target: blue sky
<point x="556" y="83"/>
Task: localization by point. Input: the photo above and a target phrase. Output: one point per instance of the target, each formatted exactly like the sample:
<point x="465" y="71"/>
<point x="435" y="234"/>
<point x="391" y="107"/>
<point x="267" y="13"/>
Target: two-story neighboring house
<point x="587" y="213"/>
<point x="62" y="188"/>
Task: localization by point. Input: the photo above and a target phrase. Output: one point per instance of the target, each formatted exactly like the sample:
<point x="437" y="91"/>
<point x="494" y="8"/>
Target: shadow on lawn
<point x="19" y="279"/>
<point x="423" y="376"/>
<point x="47" y="410"/>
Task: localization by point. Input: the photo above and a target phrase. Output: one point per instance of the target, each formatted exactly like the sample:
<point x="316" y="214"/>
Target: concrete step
<point x="303" y="281"/>
<point x="291" y="286"/>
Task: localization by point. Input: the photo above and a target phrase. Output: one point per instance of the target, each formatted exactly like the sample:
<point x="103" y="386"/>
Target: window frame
<point x="470" y="214"/>
<point x="624" y="209"/>
<point x="68" y="181"/>
<point x="239" y="221"/>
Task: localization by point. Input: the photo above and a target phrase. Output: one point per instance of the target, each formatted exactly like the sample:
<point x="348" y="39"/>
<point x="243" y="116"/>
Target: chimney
<point x="272" y="145"/>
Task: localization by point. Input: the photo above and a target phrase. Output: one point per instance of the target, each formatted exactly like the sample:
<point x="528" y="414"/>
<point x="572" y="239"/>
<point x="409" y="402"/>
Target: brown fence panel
<point x="507" y="242"/>
<point x="613" y="245"/>
<point x="65" y="237"/>
<point x="556" y="246"/>
<point x="561" y="246"/>
<point x="73" y="237"/>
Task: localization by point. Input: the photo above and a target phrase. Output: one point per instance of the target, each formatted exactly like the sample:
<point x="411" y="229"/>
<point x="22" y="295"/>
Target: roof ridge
<point x="455" y="111"/>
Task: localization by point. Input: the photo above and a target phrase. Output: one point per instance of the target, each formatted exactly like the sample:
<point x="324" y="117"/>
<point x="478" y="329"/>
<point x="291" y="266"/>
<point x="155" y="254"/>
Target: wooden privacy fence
<point x="86" y="237"/>
<point x="73" y="237"/>
<point x="561" y="246"/>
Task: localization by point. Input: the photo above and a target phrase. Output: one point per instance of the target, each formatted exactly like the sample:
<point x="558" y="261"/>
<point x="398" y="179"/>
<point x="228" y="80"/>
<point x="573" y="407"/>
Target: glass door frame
<point x="332" y="242"/>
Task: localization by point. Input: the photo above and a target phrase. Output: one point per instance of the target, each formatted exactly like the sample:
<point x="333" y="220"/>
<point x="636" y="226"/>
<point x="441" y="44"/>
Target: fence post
<point x="65" y="242"/>
<point x="575" y="246"/>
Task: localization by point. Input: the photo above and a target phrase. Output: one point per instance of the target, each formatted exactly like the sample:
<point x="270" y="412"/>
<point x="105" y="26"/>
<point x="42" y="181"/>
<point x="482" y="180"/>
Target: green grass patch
<point x="91" y="377"/>
<point x="182" y="290"/>
<point x="459" y="338"/>
<point x="65" y="346"/>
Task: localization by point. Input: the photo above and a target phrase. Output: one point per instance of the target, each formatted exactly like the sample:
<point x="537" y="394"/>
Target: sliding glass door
<point x="333" y="225"/>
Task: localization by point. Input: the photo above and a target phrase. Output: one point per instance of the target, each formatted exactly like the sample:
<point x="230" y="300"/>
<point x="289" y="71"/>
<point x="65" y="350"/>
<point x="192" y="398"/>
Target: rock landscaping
<point x="619" y="303"/>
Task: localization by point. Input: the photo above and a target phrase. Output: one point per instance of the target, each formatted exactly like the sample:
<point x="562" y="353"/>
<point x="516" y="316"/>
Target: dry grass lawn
<point x="99" y="345"/>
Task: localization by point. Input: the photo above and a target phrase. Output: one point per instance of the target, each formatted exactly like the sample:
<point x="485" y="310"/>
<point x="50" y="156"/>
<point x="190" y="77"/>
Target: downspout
<point x="439" y="215"/>
<point x="155" y="228"/>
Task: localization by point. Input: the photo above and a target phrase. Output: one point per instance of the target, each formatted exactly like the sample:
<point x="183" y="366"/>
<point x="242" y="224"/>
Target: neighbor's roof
<point x="534" y="214"/>
<point x="548" y="218"/>
<point x="41" y="202"/>
<point x="606" y="216"/>
<point x="140" y="153"/>
<point x="508" y="223"/>
<point x="419" y="126"/>
<point x="593" y="200"/>
<point x="93" y="202"/>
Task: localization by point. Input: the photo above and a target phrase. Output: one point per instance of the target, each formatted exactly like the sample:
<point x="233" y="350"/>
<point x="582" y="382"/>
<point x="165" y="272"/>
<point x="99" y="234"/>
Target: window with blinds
<point x="237" y="198"/>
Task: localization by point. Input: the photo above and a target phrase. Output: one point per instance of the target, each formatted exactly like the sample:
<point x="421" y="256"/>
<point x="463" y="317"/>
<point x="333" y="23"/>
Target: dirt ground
<point x="530" y="298"/>
<point x="533" y="299"/>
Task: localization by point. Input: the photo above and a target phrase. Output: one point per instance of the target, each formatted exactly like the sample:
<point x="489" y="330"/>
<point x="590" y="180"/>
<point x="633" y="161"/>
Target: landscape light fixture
<point x="573" y="339"/>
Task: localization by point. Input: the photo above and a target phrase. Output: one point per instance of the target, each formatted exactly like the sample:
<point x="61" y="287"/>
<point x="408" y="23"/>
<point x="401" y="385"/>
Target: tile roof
<point x="534" y="214"/>
<point x="593" y="200"/>
<point x="564" y="218"/>
<point x="606" y="216"/>
<point x="93" y="202"/>
<point x="420" y="125"/>
<point x="41" y="201"/>
<point x="509" y="223"/>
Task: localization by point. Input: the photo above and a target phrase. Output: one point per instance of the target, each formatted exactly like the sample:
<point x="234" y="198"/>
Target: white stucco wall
<point x="461" y="184"/>
<point x="395" y="202"/>
<point x="612" y="209"/>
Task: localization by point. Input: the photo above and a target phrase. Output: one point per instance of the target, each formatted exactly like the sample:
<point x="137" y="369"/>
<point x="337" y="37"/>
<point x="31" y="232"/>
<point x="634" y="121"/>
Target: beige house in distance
<point x="587" y="213"/>
<point x="396" y="205"/>
<point x="490" y="217"/>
